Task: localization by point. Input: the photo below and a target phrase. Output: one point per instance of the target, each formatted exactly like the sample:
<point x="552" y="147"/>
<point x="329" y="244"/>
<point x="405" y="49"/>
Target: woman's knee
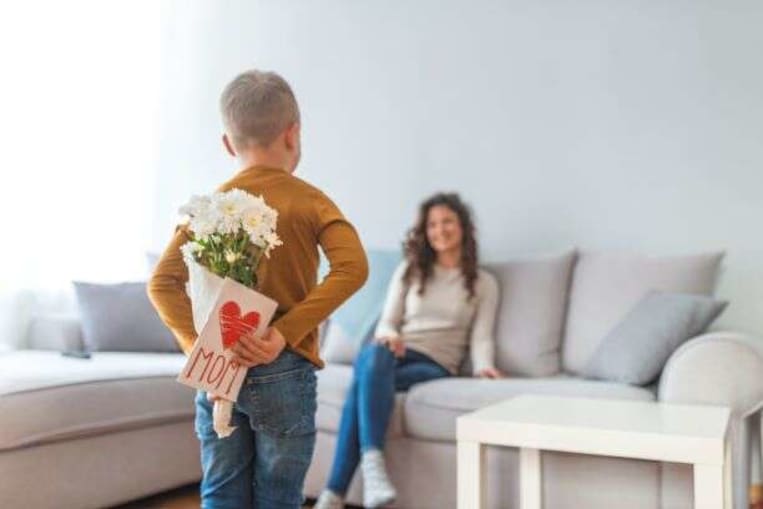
<point x="375" y="356"/>
<point x="372" y="349"/>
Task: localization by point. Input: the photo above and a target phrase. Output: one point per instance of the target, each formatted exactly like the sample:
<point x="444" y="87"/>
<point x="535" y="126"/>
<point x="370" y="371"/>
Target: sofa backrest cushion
<point x="606" y="286"/>
<point x="120" y="318"/>
<point x="55" y="331"/>
<point x="531" y="312"/>
<point x="353" y="324"/>
<point x="636" y="350"/>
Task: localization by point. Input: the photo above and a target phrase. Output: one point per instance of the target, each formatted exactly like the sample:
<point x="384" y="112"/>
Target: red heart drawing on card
<point x="233" y="325"/>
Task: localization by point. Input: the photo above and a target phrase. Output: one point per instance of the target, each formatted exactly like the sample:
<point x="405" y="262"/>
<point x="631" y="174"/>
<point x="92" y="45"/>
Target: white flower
<point x="196" y="206"/>
<point x="229" y="207"/>
<point x="204" y="225"/>
<point x="256" y="201"/>
<point x="188" y="249"/>
<point x="231" y="257"/>
<point x="272" y="241"/>
<point x="252" y="221"/>
<point x="270" y="217"/>
<point x="202" y="218"/>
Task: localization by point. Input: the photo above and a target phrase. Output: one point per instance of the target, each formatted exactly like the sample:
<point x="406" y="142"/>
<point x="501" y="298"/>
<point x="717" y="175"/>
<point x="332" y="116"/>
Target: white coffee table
<point x="626" y="429"/>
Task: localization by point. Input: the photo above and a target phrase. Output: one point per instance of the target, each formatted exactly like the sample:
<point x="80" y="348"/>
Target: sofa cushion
<point x="605" y="286"/>
<point x="431" y="408"/>
<point x="55" y="331"/>
<point x="354" y="321"/>
<point x="45" y="397"/>
<point x="339" y="347"/>
<point x="120" y="318"/>
<point x="531" y="313"/>
<point x="333" y="382"/>
<point x="636" y="350"/>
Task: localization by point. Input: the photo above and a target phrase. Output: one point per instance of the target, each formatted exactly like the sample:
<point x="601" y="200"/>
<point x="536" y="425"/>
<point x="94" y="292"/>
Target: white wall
<point x="605" y="125"/>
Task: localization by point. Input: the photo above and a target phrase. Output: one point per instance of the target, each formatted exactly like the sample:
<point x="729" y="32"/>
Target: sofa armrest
<point x="55" y="332"/>
<point x="717" y="368"/>
<point x="725" y="369"/>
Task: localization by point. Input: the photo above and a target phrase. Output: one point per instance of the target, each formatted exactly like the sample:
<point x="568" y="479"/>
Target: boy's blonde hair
<point x="256" y="107"/>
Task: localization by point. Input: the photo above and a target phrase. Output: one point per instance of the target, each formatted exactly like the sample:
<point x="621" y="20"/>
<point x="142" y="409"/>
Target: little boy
<point x="264" y="462"/>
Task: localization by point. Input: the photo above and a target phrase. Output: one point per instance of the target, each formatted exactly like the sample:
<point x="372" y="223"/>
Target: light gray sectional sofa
<point x="553" y="314"/>
<point x="78" y="433"/>
<point x="92" y="433"/>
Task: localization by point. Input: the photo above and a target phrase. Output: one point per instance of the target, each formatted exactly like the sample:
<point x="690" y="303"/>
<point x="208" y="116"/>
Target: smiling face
<point x="444" y="232"/>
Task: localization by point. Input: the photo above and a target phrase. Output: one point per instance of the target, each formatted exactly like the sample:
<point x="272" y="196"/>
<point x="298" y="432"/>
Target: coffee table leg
<point x="529" y="479"/>
<point x="708" y="487"/>
<point x="471" y="471"/>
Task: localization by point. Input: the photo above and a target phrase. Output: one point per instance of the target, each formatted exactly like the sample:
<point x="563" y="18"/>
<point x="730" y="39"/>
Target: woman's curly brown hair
<point x="419" y="253"/>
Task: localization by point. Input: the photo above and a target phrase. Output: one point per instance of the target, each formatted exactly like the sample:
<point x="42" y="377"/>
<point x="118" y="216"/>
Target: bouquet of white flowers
<point x="230" y="233"/>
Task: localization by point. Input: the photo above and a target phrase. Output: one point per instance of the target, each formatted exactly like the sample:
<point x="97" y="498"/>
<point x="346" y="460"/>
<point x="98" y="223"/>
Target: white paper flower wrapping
<point x="202" y="288"/>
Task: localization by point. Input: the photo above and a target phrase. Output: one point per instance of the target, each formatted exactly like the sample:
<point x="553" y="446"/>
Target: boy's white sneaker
<point x="377" y="489"/>
<point x="329" y="500"/>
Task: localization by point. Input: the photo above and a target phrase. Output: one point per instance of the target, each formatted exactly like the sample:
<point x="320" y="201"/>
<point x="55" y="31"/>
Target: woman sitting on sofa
<point x="439" y="304"/>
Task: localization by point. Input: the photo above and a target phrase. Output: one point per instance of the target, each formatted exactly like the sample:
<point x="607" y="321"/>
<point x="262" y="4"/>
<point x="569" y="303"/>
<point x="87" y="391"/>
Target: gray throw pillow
<point x="636" y="350"/>
<point x="120" y="317"/>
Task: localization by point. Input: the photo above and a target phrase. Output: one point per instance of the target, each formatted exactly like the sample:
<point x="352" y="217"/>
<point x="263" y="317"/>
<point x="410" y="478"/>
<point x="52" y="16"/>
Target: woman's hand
<point x="492" y="373"/>
<point x="394" y="343"/>
<point x="212" y="398"/>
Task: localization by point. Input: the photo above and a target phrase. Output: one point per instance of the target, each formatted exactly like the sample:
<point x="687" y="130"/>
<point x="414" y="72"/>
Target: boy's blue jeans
<point x="370" y="401"/>
<point x="263" y="463"/>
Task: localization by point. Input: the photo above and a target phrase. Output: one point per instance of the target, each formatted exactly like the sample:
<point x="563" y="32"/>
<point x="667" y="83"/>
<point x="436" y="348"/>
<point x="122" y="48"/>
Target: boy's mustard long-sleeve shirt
<point x="307" y="218"/>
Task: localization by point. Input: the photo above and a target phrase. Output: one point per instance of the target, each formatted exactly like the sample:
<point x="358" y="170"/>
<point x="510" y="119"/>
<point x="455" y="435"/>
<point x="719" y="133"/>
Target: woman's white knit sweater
<point x="443" y="322"/>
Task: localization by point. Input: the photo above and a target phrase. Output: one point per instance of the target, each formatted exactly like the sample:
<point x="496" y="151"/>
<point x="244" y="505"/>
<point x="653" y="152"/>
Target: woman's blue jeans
<point x="370" y="401"/>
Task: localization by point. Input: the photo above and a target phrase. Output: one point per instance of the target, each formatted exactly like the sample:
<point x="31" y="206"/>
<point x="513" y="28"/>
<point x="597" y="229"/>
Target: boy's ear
<point x="228" y="145"/>
<point x="292" y="136"/>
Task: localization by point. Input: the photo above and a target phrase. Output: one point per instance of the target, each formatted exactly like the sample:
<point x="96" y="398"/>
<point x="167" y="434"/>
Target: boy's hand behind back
<point x="251" y="350"/>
